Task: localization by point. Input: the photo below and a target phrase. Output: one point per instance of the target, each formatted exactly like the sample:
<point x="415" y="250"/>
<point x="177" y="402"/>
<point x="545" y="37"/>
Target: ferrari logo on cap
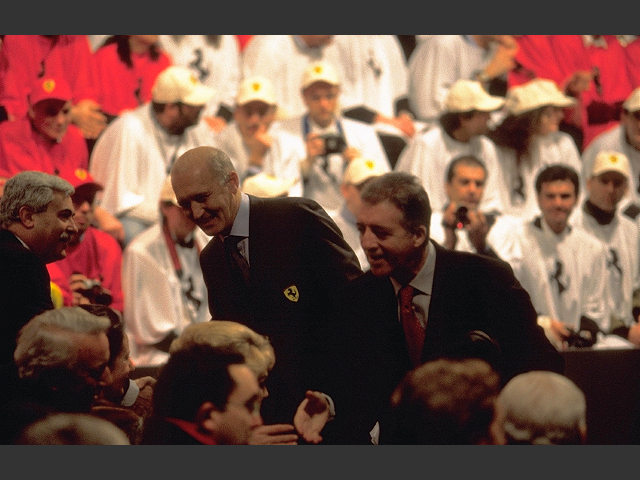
<point x="369" y="164"/>
<point x="291" y="293"/>
<point x="613" y="158"/>
<point x="80" y="173"/>
<point x="318" y="69"/>
<point x="193" y="79"/>
<point x="255" y="86"/>
<point x="49" y="85"/>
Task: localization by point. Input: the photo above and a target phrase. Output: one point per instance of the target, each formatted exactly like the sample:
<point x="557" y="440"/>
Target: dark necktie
<point x="413" y="330"/>
<point x="237" y="260"/>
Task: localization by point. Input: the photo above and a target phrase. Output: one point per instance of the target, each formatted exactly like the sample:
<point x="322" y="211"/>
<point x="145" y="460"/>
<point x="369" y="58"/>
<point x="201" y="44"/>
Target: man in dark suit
<point x="297" y="262"/>
<point x="471" y="305"/>
<point x="36" y="213"/>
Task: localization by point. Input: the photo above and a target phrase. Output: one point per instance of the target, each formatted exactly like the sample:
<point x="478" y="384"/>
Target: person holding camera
<point x="327" y="141"/>
<point x="562" y="266"/>
<point x="90" y="273"/>
<point x="461" y="224"/>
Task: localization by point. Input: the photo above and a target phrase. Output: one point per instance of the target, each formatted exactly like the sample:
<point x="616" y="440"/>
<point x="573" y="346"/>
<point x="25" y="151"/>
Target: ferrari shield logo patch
<point x="291" y="293"/>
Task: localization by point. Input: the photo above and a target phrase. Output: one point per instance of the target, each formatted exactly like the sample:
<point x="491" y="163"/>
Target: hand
<point x="215" y="123"/>
<point x="311" y="416"/>
<point x="477" y="229"/>
<point x="144" y="381"/>
<point x="87" y="116"/>
<point x="404" y="123"/>
<point x="276" y="434"/>
<point x="77" y="282"/>
<point x="634" y="334"/>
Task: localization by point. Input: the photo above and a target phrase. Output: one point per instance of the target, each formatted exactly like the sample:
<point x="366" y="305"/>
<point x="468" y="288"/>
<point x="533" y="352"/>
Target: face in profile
<point x="55" y="226"/>
<point x="390" y="248"/>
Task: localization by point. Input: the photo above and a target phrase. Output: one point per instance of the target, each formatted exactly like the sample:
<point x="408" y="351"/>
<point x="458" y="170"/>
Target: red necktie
<point x="413" y="330"/>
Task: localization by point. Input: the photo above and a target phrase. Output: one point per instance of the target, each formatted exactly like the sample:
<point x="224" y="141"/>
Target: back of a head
<point x="255" y="348"/>
<point x="444" y="402"/>
<point x="542" y="408"/>
<point x="72" y="429"/>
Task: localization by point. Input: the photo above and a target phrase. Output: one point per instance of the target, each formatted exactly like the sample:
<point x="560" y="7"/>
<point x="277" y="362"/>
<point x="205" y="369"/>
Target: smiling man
<point x="561" y="266"/>
<point x="455" y="298"/>
<point x="276" y="265"/>
<point x="36" y="213"/>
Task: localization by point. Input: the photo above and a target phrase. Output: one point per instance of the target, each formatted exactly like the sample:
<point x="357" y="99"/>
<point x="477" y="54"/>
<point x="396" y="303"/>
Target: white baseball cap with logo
<point x="178" y="84"/>
<point x="469" y="95"/>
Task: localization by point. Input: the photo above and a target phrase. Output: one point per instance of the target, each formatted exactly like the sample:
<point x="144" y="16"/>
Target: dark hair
<point x="192" y="376"/>
<point x="124" y="50"/>
<point x="115" y="333"/>
<point x="464" y="160"/>
<point x="517" y="131"/>
<point x="451" y="121"/>
<point x="405" y="191"/>
<point x="557" y="171"/>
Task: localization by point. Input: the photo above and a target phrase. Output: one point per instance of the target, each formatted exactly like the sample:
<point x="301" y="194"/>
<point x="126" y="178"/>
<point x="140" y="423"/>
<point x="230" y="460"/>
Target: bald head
<point x="207" y="188"/>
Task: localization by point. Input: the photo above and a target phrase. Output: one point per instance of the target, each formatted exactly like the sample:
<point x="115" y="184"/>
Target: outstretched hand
<point x="311" y="416"/>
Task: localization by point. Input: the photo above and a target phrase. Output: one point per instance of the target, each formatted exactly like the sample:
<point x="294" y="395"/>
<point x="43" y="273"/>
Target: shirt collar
<point x="240" y="226"/>
<point x="423" y="281"/>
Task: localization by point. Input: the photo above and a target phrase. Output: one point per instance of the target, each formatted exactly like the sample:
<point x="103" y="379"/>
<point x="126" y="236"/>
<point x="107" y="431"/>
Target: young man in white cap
<point x="607" y="185"/>
<point x="134" y="153"/>
<point x="91" y="271"/>
<point x="623" y="138"/>
<point x="326" y="141"/>
<point x="355" y="176"/>
<point x="162" y="281"/>
<point x="253" y="141"/>
<point x="460" y="130"/>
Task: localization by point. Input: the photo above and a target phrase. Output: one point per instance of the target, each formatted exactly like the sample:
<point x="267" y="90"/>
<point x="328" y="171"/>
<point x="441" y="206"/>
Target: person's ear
<point x="208" y="417"/>
<point x="233" y="181"/>
<point x="26" y="215"/>
<point x="420" y="236"/>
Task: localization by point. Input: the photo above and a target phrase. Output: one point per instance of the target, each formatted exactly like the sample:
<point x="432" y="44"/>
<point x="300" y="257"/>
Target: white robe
<point x="583" y="277"/>
<point x="621" y="239"/>
<point x="429" y="154"/>
<point x="132" y="158"/>
<point x="155" y="301"/>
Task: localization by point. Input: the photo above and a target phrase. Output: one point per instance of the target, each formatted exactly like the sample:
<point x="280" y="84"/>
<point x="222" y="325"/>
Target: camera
<point x="333" y="143"/>
<point x="461" y="216"/>
<point x="95" y="292"/>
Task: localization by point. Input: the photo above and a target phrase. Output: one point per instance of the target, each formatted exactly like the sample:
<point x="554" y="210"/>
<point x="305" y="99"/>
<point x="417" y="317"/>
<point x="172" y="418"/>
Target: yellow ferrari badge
<point x="291" y="293"/>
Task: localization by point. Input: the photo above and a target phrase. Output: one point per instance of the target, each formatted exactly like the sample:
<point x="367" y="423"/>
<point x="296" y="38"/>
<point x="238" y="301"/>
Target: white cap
<point x="179" y="84"/>
<point x="632" y="103"/>
<point x="320" y="72"/>
<point x="264" y="185"/>
<point x="256" y="89"/>
<point x="166" y="193"/>
<point x="534" y="94"/>
<point x="468" y="95"/>
<point x="610" y="161"/>
<point x="361" y="169"/>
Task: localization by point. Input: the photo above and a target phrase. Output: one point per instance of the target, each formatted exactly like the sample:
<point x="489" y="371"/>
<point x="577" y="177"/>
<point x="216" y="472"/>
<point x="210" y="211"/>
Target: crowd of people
<point x="313" y="239"/>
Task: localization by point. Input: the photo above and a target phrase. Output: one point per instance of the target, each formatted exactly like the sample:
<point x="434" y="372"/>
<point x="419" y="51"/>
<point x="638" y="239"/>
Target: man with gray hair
<point x="62" y="358"/>
<point x="36" y="216"/>
<point x="540" y="408"/>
